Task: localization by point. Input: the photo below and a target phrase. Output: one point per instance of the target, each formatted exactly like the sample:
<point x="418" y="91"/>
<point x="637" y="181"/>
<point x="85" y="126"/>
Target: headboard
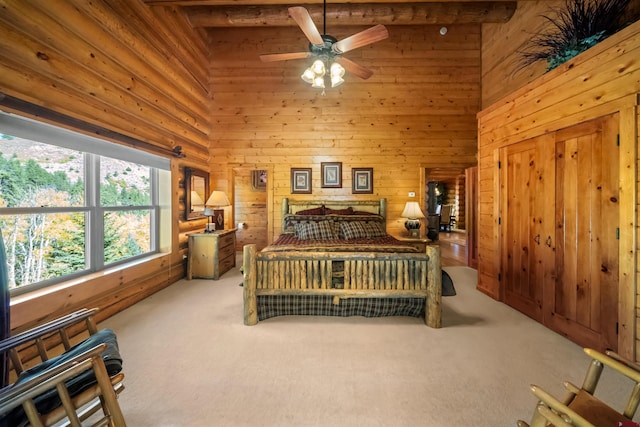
<point x="292" y="207"/>
<point x="378" y="206"/>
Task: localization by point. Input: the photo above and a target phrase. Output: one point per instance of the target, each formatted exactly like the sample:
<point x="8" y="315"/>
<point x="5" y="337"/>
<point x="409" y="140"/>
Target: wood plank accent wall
<point x="500" y="44"/>
<point x="416" y="111"/>
<point x="137" y="70"/>
<point x="603" y="80"/>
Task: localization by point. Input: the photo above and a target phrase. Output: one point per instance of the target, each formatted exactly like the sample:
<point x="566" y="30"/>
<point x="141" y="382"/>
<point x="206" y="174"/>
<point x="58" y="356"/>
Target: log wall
<point x="417" y="111"/>
<point x="601" y="81"/>
<point x="131" y="69"/>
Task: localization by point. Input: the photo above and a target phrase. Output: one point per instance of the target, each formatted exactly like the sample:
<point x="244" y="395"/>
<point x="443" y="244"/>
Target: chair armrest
<point x="626" y="368"/>
<point x="13" y="395"/>
<point x="553" y="403"/>
<point x="47" y="328"/>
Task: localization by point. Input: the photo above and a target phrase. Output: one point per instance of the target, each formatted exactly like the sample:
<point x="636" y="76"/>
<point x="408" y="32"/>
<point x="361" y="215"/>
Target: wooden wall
<point x="416" y="111"/>
<point x="501" y="74"/>
<point x="130" y="69"/>
<point x="601" y="81"/>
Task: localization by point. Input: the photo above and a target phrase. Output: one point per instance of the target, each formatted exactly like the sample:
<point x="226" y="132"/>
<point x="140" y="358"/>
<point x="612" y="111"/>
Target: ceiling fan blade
<point x="273" y="57"/>
<point x="363" y="38"/>
<point x="304" y="21"/>
<point x="352" y="67"/>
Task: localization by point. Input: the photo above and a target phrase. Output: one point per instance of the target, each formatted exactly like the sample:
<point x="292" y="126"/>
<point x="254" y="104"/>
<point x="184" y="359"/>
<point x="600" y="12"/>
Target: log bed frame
<point x="357" y="274"/>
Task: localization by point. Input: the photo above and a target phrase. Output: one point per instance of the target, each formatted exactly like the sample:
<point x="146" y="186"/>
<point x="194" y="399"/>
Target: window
<point x="72" y="204"/>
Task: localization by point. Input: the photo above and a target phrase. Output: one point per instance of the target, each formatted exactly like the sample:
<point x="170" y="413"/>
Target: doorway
<point x="251" y="205"/>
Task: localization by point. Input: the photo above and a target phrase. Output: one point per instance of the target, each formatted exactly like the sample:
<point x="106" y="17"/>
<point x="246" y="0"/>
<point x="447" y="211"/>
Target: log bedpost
<point x="433" y="306"/>
<point x="249" y="285"/>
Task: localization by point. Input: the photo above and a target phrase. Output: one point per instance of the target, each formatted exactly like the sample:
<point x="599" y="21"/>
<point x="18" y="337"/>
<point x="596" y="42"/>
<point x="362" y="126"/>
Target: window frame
<point x="92" y="149"/>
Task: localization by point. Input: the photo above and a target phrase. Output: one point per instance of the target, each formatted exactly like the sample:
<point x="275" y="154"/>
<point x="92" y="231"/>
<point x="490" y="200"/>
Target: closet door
<point x="582" y="303"/>
<point x="526" y="216"/>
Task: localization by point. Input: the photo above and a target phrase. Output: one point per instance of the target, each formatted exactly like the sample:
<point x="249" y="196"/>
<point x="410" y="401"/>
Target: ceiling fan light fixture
<point x="337" y="72"/>
<point x="318" y="82"/>
<point x="318" y="67"/>
<point x="308" y="75"/>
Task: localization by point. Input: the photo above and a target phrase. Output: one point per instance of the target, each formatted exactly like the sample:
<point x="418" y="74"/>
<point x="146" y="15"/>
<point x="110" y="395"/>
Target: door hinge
<point x="499" y="220"/>
<point x="617" y="324"/>
<point x="499" y="164"/>
<point x="617" y="233"/>
<point x="618" y="140"/>
<point x="500" y="278"/>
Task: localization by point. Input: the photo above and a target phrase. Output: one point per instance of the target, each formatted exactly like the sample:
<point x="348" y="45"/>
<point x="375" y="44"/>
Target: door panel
<point x="582" y="304"/>
<point x="524" y="188"/>
<point x="559" y="216"/>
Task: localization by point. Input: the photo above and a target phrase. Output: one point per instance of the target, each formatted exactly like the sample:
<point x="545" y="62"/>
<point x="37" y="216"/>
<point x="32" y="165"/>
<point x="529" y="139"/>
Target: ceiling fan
<point x="328" y="50"/>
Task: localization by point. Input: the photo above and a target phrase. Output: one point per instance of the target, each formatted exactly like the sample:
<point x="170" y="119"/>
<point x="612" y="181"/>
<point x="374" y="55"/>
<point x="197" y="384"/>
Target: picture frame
<point x="331" y="174"/>
<point x="259" y="180"/>
<point x="362" y="180"/>
<point x="300" y="180"/>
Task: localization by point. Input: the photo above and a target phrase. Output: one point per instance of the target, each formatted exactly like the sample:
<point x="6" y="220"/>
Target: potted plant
<point x="574" y="28"/>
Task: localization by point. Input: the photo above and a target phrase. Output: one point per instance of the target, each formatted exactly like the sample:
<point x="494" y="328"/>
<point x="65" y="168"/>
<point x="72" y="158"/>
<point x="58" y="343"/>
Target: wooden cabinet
<point x="557" y="197"/>
<point x="211" y="254"/>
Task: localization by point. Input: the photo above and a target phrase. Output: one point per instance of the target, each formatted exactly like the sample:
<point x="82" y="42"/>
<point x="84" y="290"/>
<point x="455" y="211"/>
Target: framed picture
<point x="331" y="175"/>
<point x="362" y="180"/>
<point x="259" y="180"/>
<point x="300" y="180"/>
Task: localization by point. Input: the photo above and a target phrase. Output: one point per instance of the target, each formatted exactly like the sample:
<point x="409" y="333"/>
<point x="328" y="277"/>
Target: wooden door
<point x="526" y="171"/>
<point x="582" y="301"/>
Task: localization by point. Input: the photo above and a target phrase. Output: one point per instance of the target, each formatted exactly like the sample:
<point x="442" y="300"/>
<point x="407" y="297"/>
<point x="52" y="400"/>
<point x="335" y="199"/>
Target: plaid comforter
<point x="321" y="305"/>
<point x="289" y="242"/>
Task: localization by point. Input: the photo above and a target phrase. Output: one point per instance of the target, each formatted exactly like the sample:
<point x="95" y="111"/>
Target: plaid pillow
<point x="361" y="230"/>
<point x="315" y="231"/>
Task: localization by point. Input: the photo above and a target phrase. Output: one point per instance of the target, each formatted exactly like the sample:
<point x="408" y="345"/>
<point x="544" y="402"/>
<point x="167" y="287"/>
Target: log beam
<point x="437" y="13"/>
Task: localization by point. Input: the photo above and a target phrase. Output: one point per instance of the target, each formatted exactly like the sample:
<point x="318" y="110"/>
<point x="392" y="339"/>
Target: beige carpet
<point x="190" y="361"/>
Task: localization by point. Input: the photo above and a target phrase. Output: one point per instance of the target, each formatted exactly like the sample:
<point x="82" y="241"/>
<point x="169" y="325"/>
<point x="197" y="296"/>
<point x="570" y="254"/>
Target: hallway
<point x="453" y="248"/>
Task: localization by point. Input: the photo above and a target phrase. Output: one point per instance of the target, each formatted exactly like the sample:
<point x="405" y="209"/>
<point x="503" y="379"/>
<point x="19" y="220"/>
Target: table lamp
<point x="218" y="199"/>
<point x="412" y="212"/>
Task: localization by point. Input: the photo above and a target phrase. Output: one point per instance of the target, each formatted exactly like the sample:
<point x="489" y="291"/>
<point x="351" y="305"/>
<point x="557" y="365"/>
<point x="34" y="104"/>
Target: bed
<point x="336" y="258"/>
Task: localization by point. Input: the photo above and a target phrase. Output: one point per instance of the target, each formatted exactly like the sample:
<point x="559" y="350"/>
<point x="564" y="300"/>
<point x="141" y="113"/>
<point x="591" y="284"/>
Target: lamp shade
<point x="412" y="210"/>
<point x="218" y="199"/>
<point x="196" y="200"/>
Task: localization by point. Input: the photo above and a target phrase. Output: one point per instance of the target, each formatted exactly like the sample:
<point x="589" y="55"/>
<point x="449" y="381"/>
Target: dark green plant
<point x="576" y="27"/>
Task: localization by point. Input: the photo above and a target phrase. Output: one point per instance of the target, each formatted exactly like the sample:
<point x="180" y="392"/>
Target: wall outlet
<point x="412" y="194"/>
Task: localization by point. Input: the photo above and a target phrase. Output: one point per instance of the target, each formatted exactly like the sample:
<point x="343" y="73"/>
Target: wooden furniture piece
<point x="447" y="220"/>
<point x="211" y="254"/>
<point x="580" y="407"/>
<point x="420" y="243"/>
<point x="324" y="271"/>
<point x="572" y="264"/>
<point x="54" y="380"/>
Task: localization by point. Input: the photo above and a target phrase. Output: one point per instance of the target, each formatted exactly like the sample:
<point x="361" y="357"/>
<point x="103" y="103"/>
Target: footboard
<point x="344" y="275"/>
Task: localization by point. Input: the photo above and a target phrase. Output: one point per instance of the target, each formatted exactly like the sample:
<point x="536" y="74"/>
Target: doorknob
<point x="548" y="242"/>
<point x="537" y="239"/>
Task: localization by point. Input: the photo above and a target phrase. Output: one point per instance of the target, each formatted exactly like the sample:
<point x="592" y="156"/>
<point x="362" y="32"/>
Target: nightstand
<point x="211" y="254"/>
<point x="419" y="243"/>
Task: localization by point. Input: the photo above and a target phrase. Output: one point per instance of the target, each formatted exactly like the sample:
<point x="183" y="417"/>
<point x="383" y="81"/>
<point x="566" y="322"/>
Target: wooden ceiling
<point x="205" y="14"/>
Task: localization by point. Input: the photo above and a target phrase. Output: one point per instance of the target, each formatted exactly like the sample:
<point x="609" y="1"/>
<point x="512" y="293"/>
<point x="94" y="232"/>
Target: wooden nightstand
<point x="211" y="254"/>
<point x="419" y="243"/>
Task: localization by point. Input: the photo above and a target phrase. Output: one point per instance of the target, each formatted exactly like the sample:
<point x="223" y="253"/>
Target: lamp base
<point x="210" y="228"/>
<point x="413" y="227"/>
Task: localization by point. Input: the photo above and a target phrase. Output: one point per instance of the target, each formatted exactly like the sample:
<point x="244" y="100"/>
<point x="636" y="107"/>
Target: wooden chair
<point x="447" y="220"/>
<point x="580" y="408"/>
<point x="71" y="386"/>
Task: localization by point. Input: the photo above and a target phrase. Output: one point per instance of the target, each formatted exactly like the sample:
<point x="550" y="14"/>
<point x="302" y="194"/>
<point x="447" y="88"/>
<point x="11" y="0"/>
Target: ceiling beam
<point x="439" y="13"/>
<point x="189" y="3"/>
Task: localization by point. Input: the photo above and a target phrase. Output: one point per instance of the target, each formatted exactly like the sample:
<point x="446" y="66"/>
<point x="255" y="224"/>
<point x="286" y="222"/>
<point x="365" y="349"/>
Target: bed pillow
<point x="346" y="211"/>
<point x="361" y="230"/>
<point x="315" y="211"/>
<point x="321" y="230"/>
